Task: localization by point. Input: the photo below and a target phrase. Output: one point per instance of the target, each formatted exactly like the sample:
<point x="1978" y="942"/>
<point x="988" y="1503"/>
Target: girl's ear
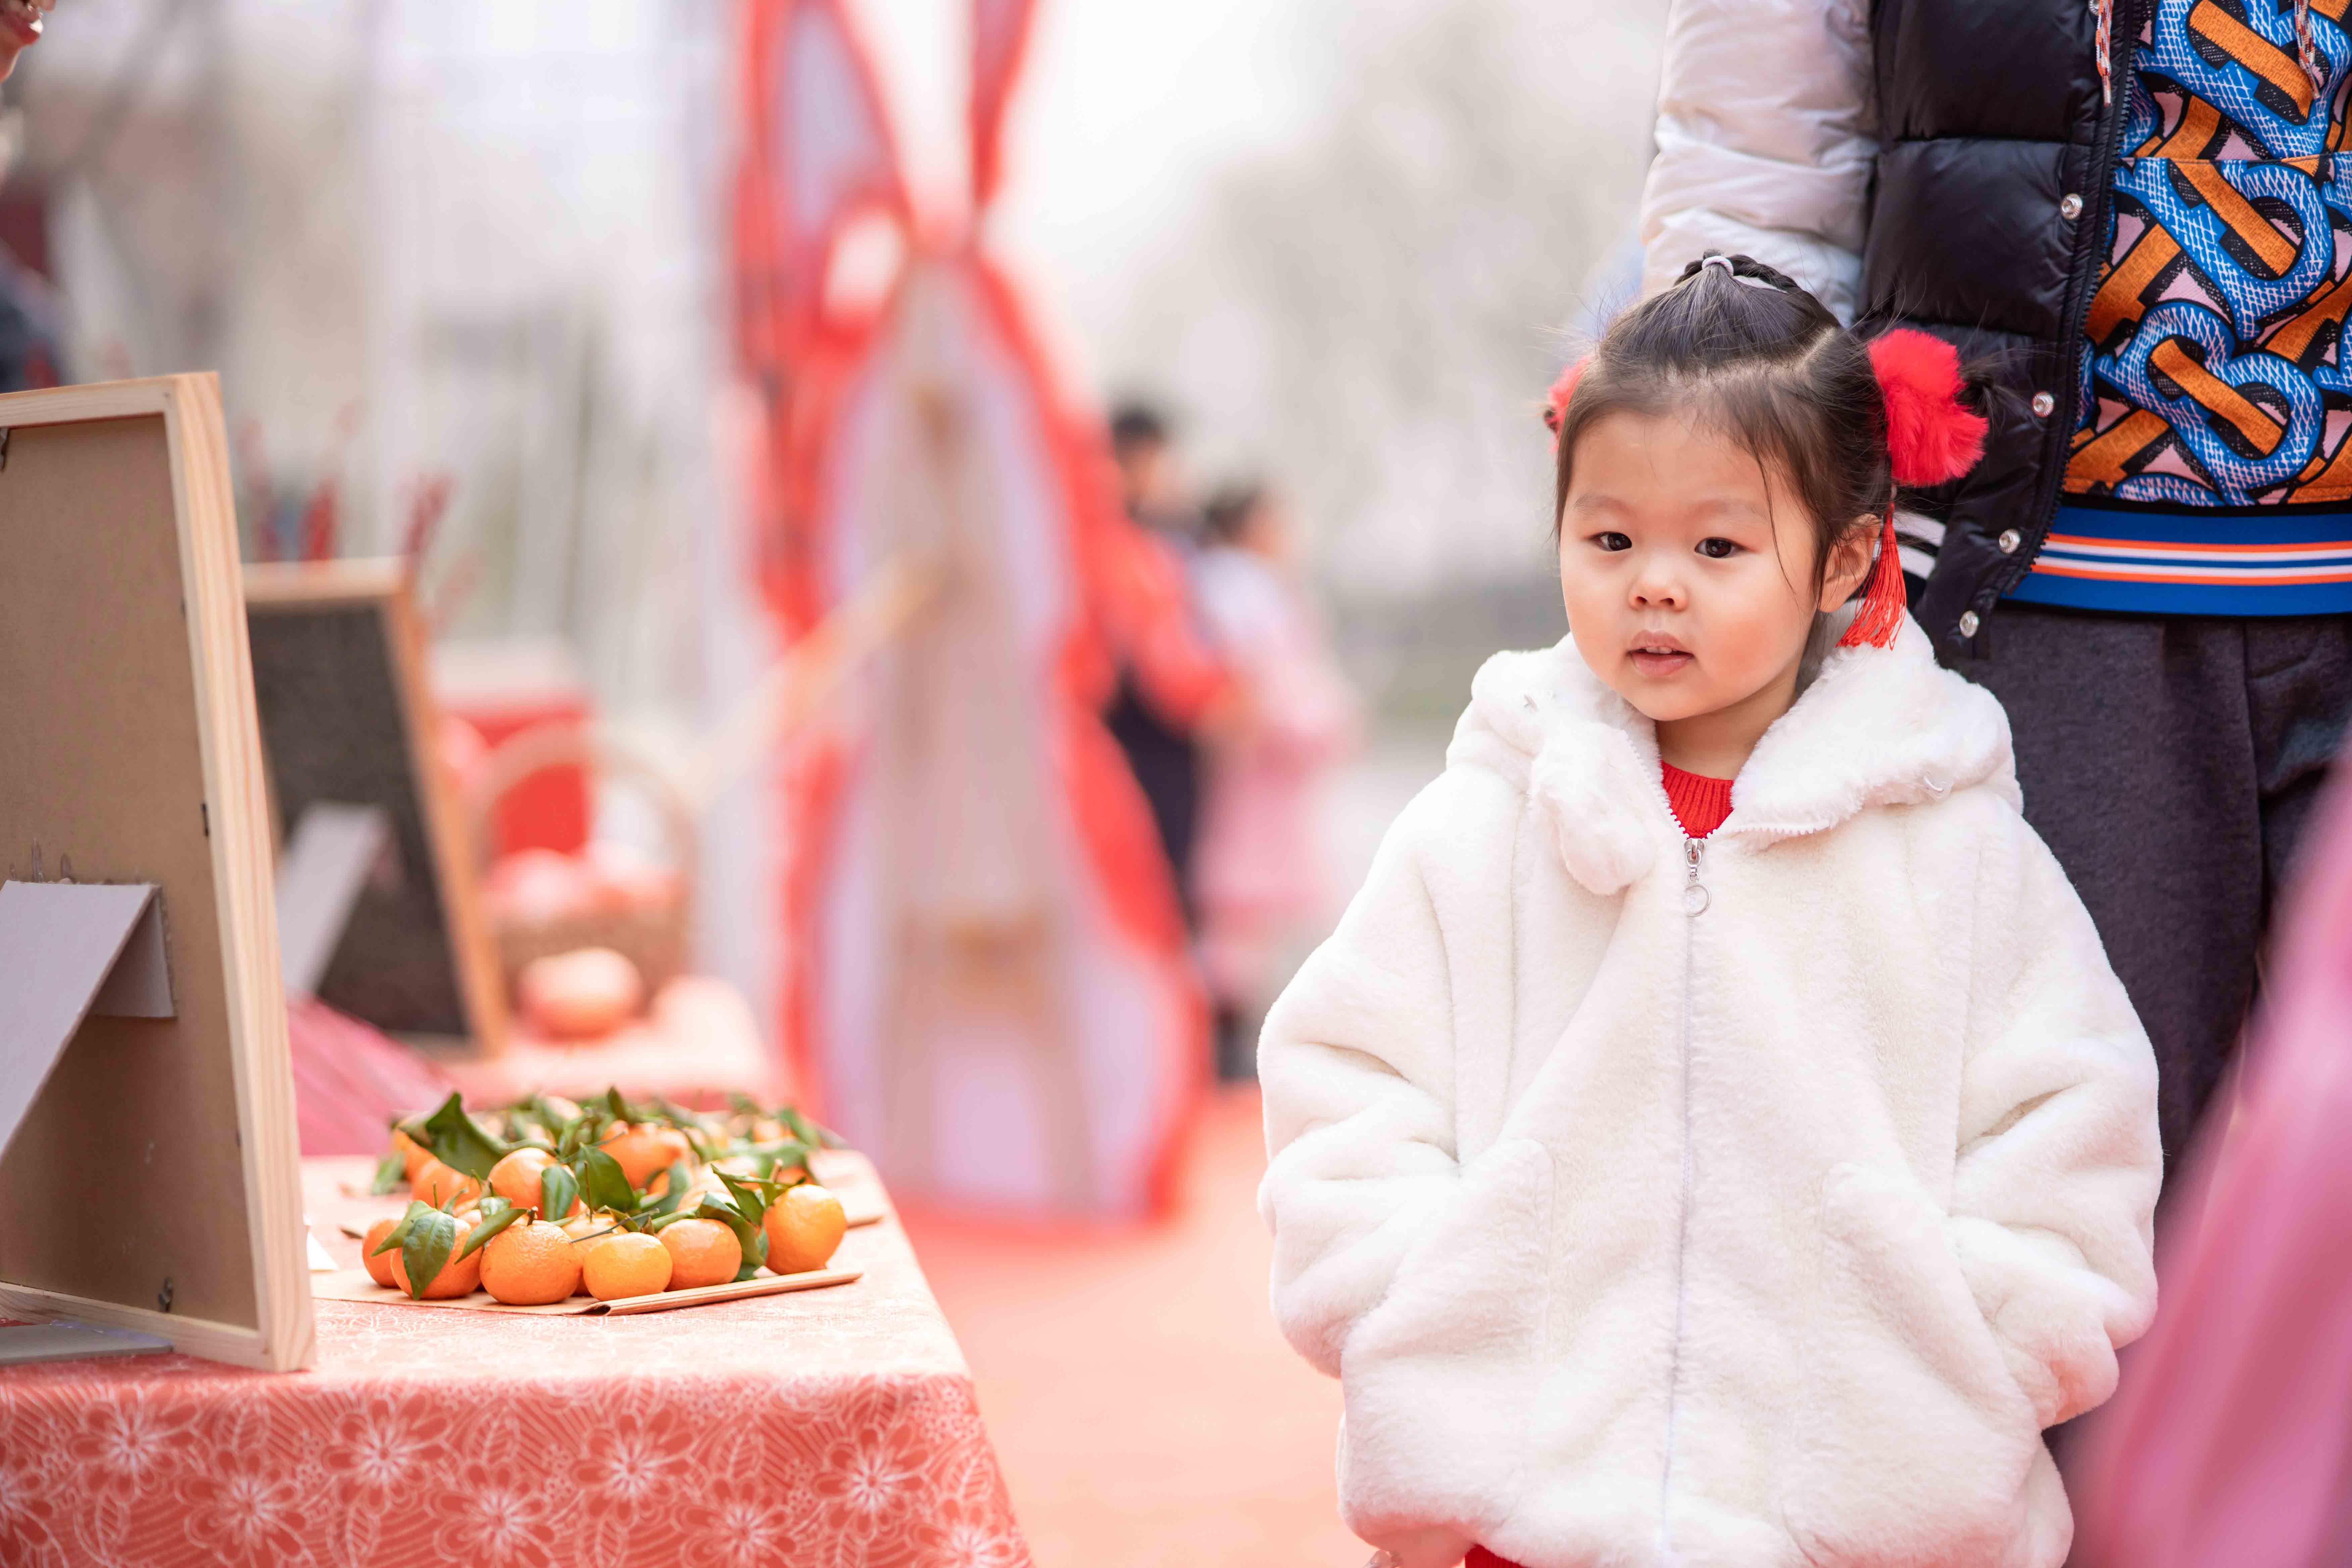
<point x="1849" y="561"/>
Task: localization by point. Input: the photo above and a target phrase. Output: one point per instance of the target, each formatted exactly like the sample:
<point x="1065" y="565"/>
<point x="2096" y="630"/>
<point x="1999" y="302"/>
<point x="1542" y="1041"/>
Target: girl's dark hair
<point x="1765" y="364"/>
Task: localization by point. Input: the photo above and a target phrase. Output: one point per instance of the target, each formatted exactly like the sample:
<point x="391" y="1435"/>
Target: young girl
<point x="1713" y="1135"/>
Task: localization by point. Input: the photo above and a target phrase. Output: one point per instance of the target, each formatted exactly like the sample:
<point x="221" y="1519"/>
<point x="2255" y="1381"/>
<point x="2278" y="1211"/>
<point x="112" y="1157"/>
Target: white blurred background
<point x="1345" y="242"/>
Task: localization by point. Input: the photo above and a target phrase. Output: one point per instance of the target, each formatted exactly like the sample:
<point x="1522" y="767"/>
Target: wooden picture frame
<point x="348" y="718"/>
<point x="154" y="1182"/>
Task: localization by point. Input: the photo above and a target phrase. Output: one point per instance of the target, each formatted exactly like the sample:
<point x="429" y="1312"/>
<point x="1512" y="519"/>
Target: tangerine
<point x="701" y="1252"/>
<point x="529" y="1264"/>
<point x="804" y="1227"/>
<point x="646" y="1151"/>
<point x="379" y="1268"/>
<point x="588" y="1233"/>
<point x="516" y="1178"/>
<point x="412" y="1153"/>
<point x="458" y="1276"/>
<point x="629" y="1263"/>
<point x="443" y="1186"/>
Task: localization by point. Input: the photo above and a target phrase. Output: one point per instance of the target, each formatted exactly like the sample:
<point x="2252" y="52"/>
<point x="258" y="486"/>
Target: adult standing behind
<point x="1157" y="717"/>
<point x="2130" y="214"/>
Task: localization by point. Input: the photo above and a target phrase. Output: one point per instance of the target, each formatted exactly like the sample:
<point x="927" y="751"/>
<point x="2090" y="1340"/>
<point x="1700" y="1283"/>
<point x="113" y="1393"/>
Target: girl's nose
<point x="1658" y="588"/>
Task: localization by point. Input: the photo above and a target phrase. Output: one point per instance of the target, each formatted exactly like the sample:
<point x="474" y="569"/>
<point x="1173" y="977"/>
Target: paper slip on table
<point x="831" y="1428"/>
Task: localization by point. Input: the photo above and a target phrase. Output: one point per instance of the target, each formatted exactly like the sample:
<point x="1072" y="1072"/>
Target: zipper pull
<point x="1695" y="898"/>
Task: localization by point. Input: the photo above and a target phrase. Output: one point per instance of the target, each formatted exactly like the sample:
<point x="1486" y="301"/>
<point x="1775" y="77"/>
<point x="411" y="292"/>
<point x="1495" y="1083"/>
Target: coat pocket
<point x="1911" y="1442"/>
<point x="1441" y="1377"/>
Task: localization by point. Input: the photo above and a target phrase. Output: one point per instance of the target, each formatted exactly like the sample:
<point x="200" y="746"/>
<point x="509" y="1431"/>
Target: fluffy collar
<point x="1875" y="727"/>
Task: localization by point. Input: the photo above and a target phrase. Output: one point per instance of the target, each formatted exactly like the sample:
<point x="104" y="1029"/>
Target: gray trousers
<point x="2169" y="762"/>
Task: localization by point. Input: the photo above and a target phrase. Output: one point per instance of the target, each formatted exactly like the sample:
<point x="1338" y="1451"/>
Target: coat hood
<point x="1875" y="727"/>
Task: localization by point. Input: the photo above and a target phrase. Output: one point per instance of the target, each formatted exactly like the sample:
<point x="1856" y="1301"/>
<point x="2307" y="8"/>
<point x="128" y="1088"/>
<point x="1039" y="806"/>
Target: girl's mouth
<point x="1660" y="659"/>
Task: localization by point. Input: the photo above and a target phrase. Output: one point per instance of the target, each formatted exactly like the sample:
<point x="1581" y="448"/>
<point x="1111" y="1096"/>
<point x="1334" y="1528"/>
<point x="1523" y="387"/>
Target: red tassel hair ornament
<point x="1931" y="437"/>
<point x="1556" y="401"/>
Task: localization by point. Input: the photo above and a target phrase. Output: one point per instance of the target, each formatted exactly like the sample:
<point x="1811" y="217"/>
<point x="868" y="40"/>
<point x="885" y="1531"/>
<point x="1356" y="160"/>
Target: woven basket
<point x="654" y="939"/>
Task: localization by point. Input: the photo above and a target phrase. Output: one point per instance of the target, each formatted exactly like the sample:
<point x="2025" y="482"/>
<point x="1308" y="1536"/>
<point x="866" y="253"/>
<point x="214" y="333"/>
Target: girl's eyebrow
<point x="1586" y="500"/>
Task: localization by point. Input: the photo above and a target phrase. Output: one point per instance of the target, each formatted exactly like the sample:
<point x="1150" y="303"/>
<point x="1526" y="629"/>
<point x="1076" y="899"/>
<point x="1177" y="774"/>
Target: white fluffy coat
<point x="1771" y="1234"/>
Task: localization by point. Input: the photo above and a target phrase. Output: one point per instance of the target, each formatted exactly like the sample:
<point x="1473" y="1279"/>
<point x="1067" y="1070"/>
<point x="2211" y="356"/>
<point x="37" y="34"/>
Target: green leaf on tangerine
<point x="399" y="1232"/>
<point x="808" y="1131"/>
<point x="559" y="1189"/>
<point x="491" y="1225"/>
<point x="458" y="1142"/>
<point x="603" y="1184"/>
<point x="749" y="1198"/>
<point x="673" y="1194"/>
<point x="423" y="1252"/>
<point x="390" y="1172"/>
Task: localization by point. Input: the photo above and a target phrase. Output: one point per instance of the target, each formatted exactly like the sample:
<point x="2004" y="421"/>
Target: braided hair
<point x="1742" y="348"/>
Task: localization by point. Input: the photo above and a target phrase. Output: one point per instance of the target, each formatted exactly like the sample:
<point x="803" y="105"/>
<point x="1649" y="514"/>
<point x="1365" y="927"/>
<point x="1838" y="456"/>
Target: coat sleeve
<point x="1357" y="1070"/>
<point x="2055" y="1191"/>
<point x="1765" y="141"/>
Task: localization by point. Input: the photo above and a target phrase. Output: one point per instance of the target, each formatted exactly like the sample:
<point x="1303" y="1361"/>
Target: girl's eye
<point x="1718" y="549"/>
<point x="1612" y="542"/>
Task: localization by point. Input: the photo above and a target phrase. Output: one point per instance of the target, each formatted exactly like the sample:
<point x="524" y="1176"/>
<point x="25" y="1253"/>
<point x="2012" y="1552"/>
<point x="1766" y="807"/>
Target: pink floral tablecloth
<point x="831" y="1429"/>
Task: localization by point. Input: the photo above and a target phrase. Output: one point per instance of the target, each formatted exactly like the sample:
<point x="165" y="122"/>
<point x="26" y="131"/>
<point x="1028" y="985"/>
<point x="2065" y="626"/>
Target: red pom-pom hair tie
<point x="1932" y="436"/>
<point x="1556" y="402"/>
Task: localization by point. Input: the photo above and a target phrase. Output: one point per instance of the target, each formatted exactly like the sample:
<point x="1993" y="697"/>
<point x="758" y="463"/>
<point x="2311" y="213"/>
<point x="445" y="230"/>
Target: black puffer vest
<point x="1994" y="177"/>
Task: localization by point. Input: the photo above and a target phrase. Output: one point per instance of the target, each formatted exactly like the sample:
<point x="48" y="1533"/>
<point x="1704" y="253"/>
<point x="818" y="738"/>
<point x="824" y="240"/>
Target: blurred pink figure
<point x="1259" y="871"/>
<point x="2229" y="1444"/>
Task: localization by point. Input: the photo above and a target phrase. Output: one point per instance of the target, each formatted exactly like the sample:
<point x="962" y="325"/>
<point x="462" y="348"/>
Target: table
<point x="831" y="1429"/>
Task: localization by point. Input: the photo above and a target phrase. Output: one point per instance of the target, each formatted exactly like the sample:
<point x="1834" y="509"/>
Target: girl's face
<point x="1682" y="595"/>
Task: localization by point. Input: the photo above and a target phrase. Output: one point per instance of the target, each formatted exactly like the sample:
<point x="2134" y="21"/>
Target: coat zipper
<point x="1695" y="900"/>
<point x="2084" y="287"/>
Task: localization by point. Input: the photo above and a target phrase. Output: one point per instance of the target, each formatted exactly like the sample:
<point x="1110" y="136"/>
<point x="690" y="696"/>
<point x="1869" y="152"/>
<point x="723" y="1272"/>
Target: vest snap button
<point x="2044" y="406"/>
<point x="1969" y="623"/>
<point x="2070" y="207"/>
<point x="2010" y="540"/>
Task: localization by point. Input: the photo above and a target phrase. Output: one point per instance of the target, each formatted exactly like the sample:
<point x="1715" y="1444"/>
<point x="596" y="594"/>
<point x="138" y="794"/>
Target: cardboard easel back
<point x="154" y="1184"/>
<point x="348" y="719"/>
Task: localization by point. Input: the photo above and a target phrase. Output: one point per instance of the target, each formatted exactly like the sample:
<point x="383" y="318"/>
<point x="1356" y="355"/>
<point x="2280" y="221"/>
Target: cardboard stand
<point x="68" y="952"/>
<point x="397" y="938"/>
<point x="150" y="1180"/>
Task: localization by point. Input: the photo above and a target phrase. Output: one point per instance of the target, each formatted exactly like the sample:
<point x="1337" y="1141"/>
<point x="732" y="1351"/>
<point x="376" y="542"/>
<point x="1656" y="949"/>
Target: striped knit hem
<point x="2206" y="561"/>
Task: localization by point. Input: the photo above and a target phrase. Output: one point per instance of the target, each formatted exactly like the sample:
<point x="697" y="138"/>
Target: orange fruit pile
<point x="613" y="1242"/>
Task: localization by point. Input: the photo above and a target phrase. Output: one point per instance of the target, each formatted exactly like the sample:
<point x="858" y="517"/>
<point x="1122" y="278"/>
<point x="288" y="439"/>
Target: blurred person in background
<point x="2123" y="210"/>
<point x="1171" y="684"/>
<point x="2231" y="1443"/>
<point x="29" y="338"/>
<point x="1260" y="878"/>
<point x="20" y="29"/>
<point x="28" y="309"/>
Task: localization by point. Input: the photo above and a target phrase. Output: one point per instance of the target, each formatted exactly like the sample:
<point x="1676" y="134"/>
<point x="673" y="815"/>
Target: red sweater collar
<point x="1700" y="803"/>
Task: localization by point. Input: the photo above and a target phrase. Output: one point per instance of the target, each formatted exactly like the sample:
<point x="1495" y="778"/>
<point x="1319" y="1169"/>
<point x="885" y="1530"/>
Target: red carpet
<point x="1147" y="1412"/>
